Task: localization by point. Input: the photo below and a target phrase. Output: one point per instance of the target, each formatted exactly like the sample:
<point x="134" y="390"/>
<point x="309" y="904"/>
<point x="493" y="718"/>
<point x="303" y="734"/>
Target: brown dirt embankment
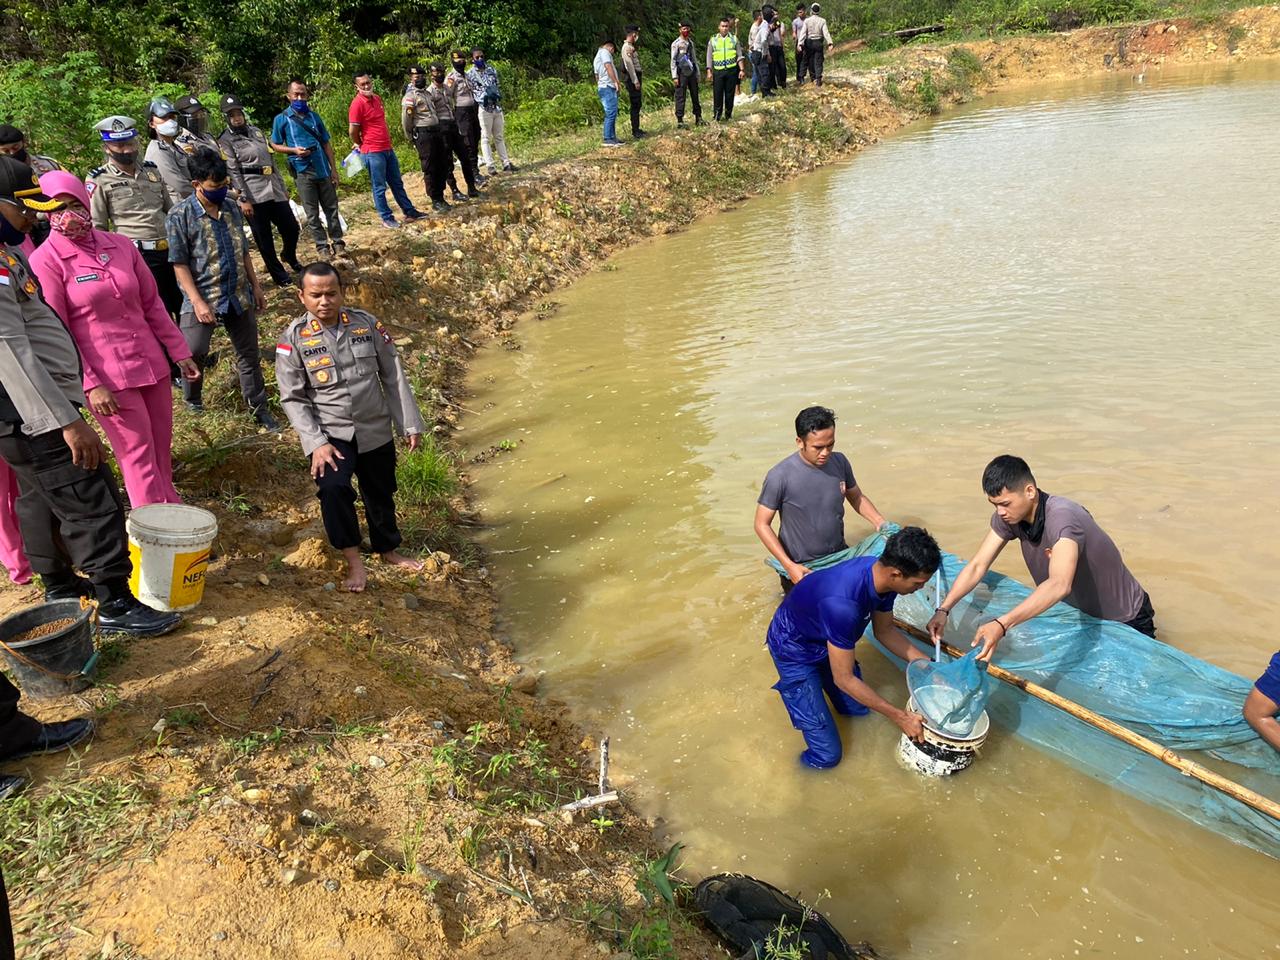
<point x="374" y="776"/>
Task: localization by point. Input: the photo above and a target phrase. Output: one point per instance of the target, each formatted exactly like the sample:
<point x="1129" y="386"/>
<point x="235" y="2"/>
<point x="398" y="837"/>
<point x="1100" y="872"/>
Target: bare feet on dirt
<point x="357" y="578"/>
<point x="397" y="559"/>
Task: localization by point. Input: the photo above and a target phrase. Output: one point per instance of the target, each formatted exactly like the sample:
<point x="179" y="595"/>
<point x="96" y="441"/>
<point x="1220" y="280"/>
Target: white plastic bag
<point x="353" y="163"/>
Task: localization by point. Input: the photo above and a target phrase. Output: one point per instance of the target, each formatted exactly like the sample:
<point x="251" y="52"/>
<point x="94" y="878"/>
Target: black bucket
<point x="57" y="663"/>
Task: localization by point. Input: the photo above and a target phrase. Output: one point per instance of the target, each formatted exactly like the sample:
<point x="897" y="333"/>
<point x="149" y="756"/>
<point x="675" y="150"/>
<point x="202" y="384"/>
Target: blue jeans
<point x="755" y="59"/>
<point x="609" y="100"/>
<point x="801" y="686"/>
<point x="384" y="172"/>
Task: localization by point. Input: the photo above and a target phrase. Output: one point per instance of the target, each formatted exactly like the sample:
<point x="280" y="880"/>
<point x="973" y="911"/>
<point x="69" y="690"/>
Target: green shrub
<point x="426" y="475"/>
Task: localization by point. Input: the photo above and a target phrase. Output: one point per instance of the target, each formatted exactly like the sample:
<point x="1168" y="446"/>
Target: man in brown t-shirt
<point x="1070" y="557"/>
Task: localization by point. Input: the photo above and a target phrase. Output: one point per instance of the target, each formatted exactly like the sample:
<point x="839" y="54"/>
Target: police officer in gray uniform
<point x="263" y="198"/>
<point x="129" y="198"/>
<point x="169" y="158"/>
<point x="193" y="118"/>
<point x="422" y="126"/>
<point x="69" y="510"/>
<point x="344" y="390"/>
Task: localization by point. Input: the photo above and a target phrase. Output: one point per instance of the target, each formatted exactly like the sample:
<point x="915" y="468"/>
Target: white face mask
<point x="168" y="129"/>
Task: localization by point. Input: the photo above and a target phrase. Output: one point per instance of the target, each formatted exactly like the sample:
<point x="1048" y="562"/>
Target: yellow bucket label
<point x="135" y="560"/>
<point x="188" y="577"/>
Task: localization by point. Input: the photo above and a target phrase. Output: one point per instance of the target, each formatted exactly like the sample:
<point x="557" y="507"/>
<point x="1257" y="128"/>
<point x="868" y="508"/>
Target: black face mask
<point x="460" y="66"/>
<point x="22" y="155"/>
<point x="420" y="82"/>
<point x="123" y="158"/>
<point x="9" y="233"/>
<point x="438" y="77"/>
<point x="240" y="127"/>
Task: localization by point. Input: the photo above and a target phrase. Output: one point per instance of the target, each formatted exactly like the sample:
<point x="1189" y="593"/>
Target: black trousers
<point x="815" y="52"/>
<point x="1145" y="621"/>
<point x="170" y="293"/>
<point x="800" y="63"/>
<point x="69" y="517"/>
<point x="17" y="730"/>
<point x="723" y="84"/>
<point x="469" y="129"/>
<point x="688" y="86"/>
<point x="433" y="155"/>
<point x="779" y="65"/>
<point x="376" y="471"/>
<point x="455" y="147"/>
<point x="242" y="329"/>
<point x="633" y="92"/>
<point x="279" y="214"/>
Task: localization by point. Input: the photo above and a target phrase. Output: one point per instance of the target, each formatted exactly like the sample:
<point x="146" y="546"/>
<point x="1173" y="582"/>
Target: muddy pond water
<point x="1083" y="274"/>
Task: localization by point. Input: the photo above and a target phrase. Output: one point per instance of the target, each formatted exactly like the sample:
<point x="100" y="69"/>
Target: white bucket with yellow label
<point x="169" y="545"/>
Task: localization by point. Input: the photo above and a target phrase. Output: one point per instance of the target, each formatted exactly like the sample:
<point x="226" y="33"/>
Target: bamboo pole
<point x="1187" y="767"/>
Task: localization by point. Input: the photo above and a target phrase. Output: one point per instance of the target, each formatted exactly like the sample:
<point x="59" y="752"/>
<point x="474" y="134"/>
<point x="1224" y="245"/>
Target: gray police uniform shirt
<point x="460" y="87"/>
<point x="348" y="383"/>
<point x="252" y="165"/>
<point x="42" y="164"/>
<point x="39" y="364"/>
<point x="417" y="111"/>
<point x="1103" y="586"/>
<point x="810" y="501"/>
<point x="171" y="161"/>
<point x="132" y="204"/>
<point x="441" y="98"/>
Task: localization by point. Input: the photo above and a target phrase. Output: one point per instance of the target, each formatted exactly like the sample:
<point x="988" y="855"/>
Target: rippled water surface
<point x="1084" y="275"/>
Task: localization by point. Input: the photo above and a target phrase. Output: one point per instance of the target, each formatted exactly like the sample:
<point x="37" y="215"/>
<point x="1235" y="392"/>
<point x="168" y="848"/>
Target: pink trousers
<point x="141" y="436"/>
<point x="12" y="555"/>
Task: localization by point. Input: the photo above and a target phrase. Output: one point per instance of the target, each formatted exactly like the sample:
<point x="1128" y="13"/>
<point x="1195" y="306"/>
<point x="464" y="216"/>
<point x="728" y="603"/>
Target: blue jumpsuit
<point x="828" y="606"/>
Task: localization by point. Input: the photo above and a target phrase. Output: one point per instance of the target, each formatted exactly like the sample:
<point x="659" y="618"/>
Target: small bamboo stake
<point x="1187" y="767"/>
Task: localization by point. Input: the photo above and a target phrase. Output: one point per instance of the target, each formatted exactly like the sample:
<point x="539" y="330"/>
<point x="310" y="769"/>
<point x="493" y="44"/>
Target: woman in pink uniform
<point x="100" y="286"/>
<point x="12" y="553"/>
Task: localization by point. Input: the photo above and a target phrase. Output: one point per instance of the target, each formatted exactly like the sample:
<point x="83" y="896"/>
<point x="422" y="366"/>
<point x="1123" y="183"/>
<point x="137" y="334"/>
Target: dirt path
<point x="373" y="776"/>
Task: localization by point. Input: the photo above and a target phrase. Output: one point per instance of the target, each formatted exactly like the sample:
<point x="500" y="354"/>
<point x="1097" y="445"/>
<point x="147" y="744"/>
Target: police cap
<point x="230" y="102"/>
<point x="19" y="182"/>
<point x="117" y="128"/>
<point x="189" y="104"/>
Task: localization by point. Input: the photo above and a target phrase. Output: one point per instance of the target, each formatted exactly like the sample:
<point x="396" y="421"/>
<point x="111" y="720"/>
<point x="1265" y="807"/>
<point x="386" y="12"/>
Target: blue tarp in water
<point x="1150" y="687"/>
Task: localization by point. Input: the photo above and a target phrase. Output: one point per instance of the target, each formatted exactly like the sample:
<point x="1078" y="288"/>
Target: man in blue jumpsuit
<point x="813" y="633"/>
<point x="1262" y="706"/>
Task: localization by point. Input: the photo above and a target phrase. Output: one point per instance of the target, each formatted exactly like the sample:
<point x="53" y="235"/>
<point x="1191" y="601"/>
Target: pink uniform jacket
<point x="107" y="297"/>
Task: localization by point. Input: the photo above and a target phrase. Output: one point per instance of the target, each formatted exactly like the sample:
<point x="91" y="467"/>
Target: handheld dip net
<point x="1115" y="704"/>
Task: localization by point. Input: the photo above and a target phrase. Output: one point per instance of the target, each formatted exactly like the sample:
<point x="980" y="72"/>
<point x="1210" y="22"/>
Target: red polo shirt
<point x="368" y="112"/>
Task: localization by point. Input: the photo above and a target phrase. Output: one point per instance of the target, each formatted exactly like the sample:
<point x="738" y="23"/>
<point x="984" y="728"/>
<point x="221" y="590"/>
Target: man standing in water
<point x="810" y="488"/>
<point x="1262" y="706"/>
<point x="813" y="633"/>
<point x="1070" y="558"/>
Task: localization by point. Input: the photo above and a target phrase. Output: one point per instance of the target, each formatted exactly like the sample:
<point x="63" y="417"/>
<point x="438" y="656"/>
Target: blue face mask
<point x="300" y="106"/>
<point x="215" y="196"/>
<point x="480" y="63"/>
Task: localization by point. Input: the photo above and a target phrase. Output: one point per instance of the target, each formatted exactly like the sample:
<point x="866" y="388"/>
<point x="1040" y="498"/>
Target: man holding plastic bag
<point x="813" y="633"/>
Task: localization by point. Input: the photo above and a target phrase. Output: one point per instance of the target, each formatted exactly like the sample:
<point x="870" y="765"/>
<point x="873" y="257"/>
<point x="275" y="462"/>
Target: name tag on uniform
<point x="268" y="170"/>
<point x="86" y="277"/>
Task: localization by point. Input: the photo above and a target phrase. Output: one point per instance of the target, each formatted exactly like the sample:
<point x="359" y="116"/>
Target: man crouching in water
<point x="813" y="633"/>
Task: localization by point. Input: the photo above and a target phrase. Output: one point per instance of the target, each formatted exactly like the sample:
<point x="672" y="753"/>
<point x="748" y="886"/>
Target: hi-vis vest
<point x="724" y="52"/>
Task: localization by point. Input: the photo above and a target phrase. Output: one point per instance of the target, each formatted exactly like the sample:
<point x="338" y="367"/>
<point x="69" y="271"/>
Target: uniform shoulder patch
<point x="150" y="163"/>
<point x="95" y="171"/>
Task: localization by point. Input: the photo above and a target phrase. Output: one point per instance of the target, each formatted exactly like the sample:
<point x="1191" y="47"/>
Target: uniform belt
<point x="151" y="244"/>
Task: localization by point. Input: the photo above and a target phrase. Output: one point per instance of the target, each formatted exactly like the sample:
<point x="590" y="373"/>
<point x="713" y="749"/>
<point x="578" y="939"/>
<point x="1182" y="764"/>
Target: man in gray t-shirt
<point x="809" y="489"/>
<point x="1070" y="557"/>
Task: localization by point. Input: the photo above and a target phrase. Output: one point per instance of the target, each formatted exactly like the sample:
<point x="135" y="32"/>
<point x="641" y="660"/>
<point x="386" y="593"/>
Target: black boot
<point x="10" y="785"/>
<point x="52" y="738"/>
<point x="128" y="615"/>
<point x="72" y="589"/>
<point x="264" y="418"/>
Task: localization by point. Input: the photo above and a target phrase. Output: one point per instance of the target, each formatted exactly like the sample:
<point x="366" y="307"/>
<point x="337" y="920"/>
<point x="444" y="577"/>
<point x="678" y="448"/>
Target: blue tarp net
<point x="1156" y="690"/>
